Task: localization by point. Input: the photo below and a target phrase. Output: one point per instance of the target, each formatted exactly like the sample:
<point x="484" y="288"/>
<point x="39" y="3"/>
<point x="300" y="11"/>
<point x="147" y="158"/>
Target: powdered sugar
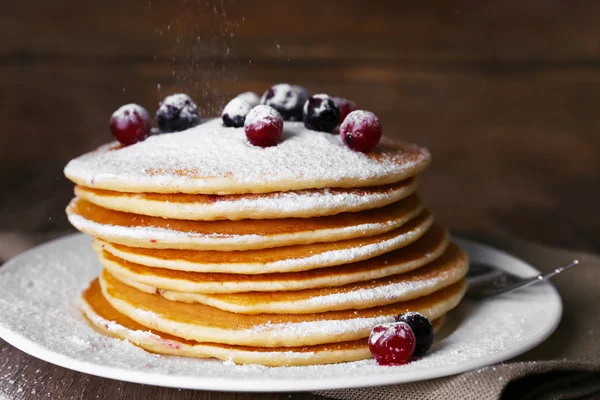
<point x="327" y="258"/>
<point x="322" y="105"/>
<point x="303" y="203"/>
<point x="128" y="111"/>
<point x="286" y="96"/>
<point x="387" y="293"/>
<point x="163" y="237"/>
<point x="38" y="308"/>
<point x="361" y="115"/>
<point x="250" y="97"/>
<point x="146" y="314"/>
<point x="210" y="158"/>
<point x="262" y="114"/>
<point x="237" y="108"/>
<point x="181" y="102"/>
<point x="148" y="234"/>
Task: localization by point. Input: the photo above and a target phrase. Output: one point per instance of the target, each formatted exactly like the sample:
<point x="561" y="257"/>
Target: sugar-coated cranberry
<point x="130" y="124"/>
<point x="263" y="126"/>
<point x="251" y="97"/>
<point x="234" y="113"/>
<point x="392" y="344"/>
<point x="345" y="106"/>
<point x="176" y="113"/>
<point x="287" y="99"/>
<point x="320" y="113"/>
<point x="361" y="131"/>
<point x="422" y="328"/>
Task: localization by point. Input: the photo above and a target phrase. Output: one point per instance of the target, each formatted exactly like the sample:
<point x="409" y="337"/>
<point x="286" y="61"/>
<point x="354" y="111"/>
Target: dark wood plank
<point x="438" y="30"/>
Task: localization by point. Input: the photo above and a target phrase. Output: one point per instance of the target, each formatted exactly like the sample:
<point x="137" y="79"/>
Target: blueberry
<point x="422" y="328"/>
<point x="287" y="99"/>
<point x="176" y="113"/>
<point x="234" y="113"/>
<point x="320" y="113"/>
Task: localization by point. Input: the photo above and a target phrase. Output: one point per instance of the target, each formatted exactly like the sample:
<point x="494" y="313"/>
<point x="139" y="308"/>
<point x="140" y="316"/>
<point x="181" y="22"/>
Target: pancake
<point x="443" y="272"/>
<point x="298" y="204"/>
<point x="108" y="320"/>
<point x="278" y="259"/>
<point x="424" y="251"/>
<point x="212" y="159"/>
<point x="155" y="232"/>
<point x="208" y="324"/>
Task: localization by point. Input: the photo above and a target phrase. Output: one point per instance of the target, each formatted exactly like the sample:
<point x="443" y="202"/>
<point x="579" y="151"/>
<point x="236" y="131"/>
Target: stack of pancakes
<point x="280" y="256"/>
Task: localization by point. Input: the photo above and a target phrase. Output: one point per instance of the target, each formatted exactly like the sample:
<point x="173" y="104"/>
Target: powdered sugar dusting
<point x="161" y="236"/>
<point x="263" y="115"/>
<point x="181" y="102"/>
<point x="388" y="293"/>
<point x="325" y="328"/>
<point x="128" y="111"/>
<point x="250" y="97"/>
<point x="357" y="116"/>
<point x="211" y="158"/>
<point x="280" y="96"/>
<point x="38" y="301"/>
<point x="152" y="233"/>
<point x="237" y="108"/>
<point x="327" y="258"/>
<point x="322" y="105"/>
<point x="297" y="203"/>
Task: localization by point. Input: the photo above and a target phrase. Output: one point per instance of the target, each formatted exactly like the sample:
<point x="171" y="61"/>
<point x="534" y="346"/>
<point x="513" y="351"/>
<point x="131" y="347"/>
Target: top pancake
<point x="212" y="159"/>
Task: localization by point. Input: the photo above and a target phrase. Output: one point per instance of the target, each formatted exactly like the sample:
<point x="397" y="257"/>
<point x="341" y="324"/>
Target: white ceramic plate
<point x="39" y="315"/>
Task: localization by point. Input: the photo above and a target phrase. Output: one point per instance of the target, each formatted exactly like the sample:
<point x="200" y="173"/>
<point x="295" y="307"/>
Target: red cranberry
<point x="392" y="344"/>
<point x="361" y="131"/>
<point x="287" y="99"/>
<point x="320" y="113"/>
<point x="263" y="126"/>
<point x="345" y="106"/>
<point x="130" y="124"/>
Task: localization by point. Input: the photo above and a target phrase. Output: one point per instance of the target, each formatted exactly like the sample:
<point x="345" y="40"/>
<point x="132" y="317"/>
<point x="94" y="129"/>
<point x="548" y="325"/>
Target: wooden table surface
<point x="504" y="94"/>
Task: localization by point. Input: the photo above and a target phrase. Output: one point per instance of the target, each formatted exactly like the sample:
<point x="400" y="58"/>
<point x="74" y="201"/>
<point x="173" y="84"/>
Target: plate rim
<point x="36" y="350"/>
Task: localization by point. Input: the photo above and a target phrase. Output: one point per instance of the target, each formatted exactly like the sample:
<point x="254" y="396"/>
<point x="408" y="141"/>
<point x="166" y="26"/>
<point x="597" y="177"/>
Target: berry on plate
<point x="234" y="113"/>
<point x="361" y="131"/>
<point x="251" y="97"/>
<point x="392" y="343"/>
<point x="320" y="113"/>
<point x="176" y="113"/>
<point x="130" y="124"/>
<point x="287" y="99"/>
<point x="263" y="126"/>
<point x="345" y="106"/>
<point x="422" y="328"/>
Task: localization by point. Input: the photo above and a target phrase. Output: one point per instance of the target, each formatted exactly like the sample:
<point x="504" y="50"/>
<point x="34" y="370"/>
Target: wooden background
<point x="505" y="94"/>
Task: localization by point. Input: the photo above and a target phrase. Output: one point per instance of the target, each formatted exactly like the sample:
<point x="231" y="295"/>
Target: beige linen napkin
<point x="566" y="366"/>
